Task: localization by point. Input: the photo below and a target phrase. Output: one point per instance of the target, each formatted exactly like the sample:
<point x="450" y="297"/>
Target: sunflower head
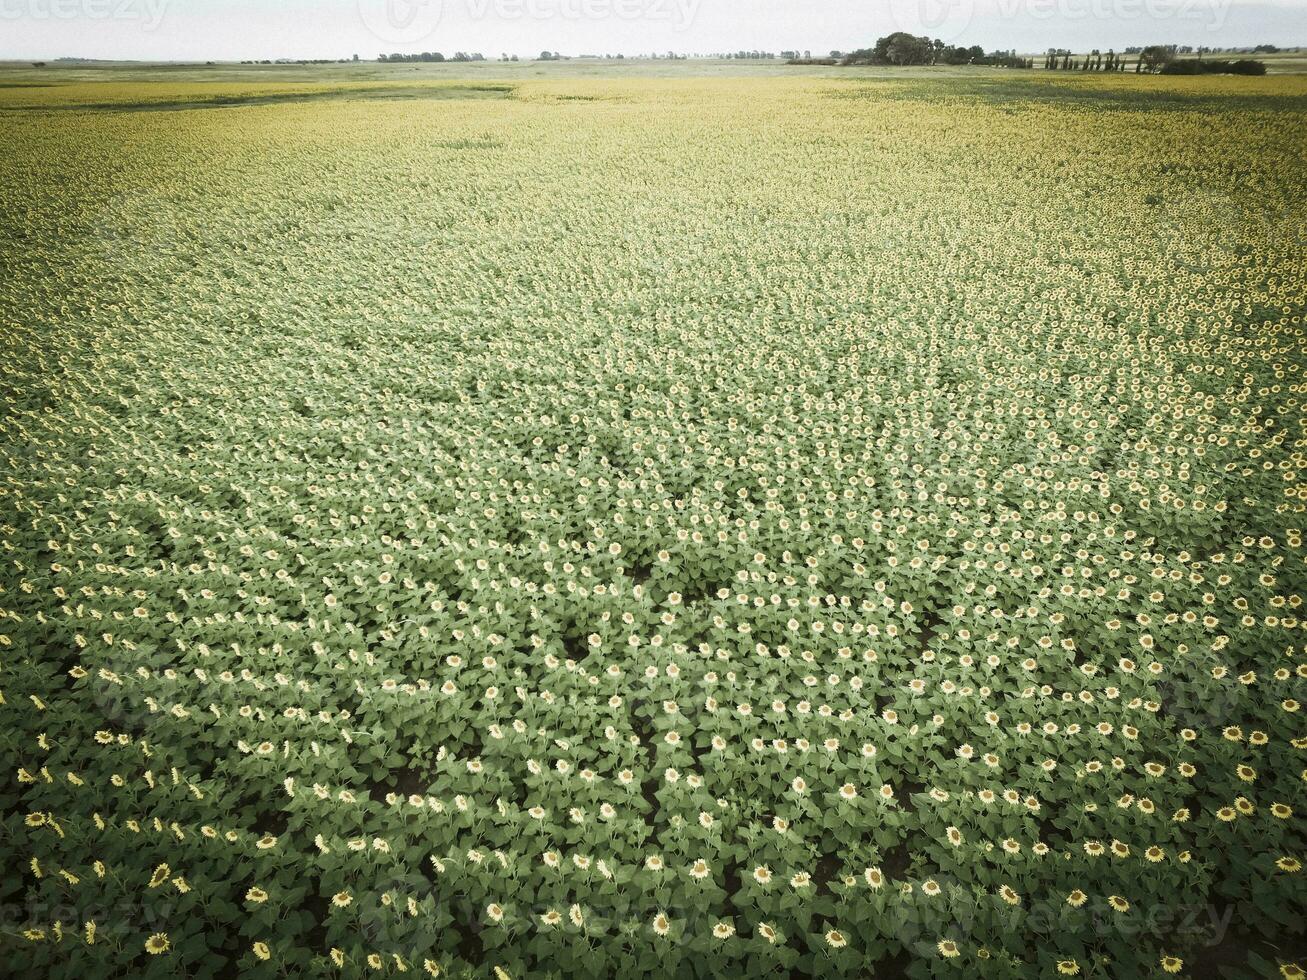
<point x="157" y="944"/>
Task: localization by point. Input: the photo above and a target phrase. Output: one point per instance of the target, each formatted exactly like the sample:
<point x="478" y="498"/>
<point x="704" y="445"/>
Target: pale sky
<point x="240" y="29"/>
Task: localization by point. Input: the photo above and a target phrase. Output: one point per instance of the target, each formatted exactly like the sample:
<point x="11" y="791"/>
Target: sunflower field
<point x="682" y="527"/>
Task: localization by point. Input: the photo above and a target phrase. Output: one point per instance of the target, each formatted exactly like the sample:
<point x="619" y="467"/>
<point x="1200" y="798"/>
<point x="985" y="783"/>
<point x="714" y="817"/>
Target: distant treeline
<point x="1196" y="66"/>
<point x="901" y="48"/>
<point x="1204" y="49"/>
<point x="1063" y="60"/>
<point x="431" y="56"/>
<point x="296" y="61"/>
<point x="1157" y="59"/>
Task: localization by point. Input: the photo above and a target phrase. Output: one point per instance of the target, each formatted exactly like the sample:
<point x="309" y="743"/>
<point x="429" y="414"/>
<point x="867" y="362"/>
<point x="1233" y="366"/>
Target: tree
<point x="901" y="48"/>
<point x="1155" y="57"/>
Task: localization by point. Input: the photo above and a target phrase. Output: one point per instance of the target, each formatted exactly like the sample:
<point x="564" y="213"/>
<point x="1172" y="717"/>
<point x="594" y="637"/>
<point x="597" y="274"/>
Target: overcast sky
<point x="240" y="29"/>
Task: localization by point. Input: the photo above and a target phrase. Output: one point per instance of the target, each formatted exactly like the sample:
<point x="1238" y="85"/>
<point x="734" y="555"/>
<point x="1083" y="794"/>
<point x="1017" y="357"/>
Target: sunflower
<point x="157" y="944"/>
<point x="947" y="948"/>
<point x="1171" y="964"/>
<point x="1068" y="968"/>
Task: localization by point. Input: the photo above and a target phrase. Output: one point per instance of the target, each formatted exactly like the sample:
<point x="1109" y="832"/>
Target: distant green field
<point x="662" y="520"/>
